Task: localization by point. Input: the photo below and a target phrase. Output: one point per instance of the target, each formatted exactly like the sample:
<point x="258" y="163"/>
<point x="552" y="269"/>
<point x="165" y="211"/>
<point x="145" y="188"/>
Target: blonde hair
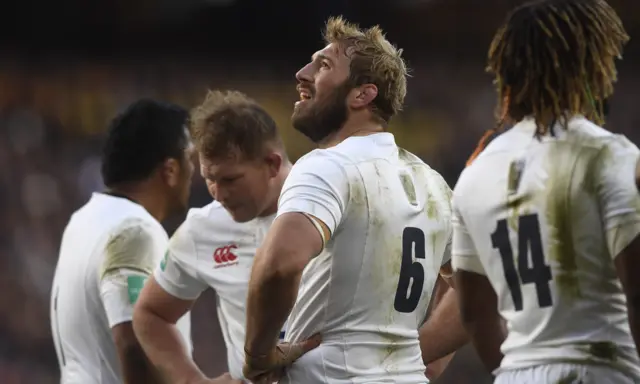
<point x="374" y="60"/>
<point x="229" y="123"/>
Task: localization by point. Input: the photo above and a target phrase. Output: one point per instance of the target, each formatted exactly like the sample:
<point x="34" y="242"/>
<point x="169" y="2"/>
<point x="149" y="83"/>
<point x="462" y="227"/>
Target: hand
<point x="269" y="368"/>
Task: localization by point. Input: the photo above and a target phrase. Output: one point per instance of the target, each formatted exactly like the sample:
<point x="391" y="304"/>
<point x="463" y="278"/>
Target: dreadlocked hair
<point x="553" y="59"/>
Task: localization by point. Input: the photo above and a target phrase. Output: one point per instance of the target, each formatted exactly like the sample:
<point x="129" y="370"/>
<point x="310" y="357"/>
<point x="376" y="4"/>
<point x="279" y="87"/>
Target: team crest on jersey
<point x="224" y="256"/>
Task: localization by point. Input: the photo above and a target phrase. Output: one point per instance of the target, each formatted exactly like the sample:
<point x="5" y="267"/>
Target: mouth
<point x="305" y="95"/>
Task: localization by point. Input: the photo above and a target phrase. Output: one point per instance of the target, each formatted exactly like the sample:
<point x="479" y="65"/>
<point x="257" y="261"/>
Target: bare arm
<point x="135" y="366"/>
<point x="479" y="312"/>
<point x="443" y="333"/>
<point x="154" y="321"/>
<point x="628" y="264"/>
<point x="291" y="243"/>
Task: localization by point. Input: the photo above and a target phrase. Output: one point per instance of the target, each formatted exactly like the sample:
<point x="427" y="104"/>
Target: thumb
<point x="298" y="349"/>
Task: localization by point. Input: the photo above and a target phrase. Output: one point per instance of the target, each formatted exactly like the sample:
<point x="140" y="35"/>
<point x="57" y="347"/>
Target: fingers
<point x="285" y="354"/>
<point x="292" y="352"/>
<point x="270" y="377"/>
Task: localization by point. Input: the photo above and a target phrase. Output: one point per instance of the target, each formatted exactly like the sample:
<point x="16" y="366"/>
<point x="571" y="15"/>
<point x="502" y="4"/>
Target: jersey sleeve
<point x="317" y="186"/>
<point x="177" y="273"/>
<point x="119" y="291"/>
<point x="447" y="251"/>
<point x="618" y="194"/>
<point x="129" y="258"/>
<point x="463" y="252"/>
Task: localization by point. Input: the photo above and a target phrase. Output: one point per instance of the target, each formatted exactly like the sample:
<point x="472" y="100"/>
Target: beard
<point x="320" y="118"/>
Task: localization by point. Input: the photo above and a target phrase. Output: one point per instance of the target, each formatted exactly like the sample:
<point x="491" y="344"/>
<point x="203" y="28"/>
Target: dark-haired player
<point x="113" y="243"/>
<point x="547" y="216"/>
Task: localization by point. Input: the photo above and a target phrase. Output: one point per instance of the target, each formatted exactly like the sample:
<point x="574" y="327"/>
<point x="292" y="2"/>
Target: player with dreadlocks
<point x="547" y="216"/>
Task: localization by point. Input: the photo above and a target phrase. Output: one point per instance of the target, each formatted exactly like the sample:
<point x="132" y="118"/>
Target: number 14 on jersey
<point x="533" y="271"/>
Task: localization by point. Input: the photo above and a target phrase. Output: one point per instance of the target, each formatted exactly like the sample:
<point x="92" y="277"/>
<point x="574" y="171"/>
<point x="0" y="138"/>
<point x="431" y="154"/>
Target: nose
<point x="220" y="194"/>
<point x="305" y="74"/>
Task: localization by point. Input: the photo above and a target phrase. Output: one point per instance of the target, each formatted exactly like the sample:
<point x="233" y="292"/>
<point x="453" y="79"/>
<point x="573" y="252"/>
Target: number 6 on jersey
<point x="409" y="269"/>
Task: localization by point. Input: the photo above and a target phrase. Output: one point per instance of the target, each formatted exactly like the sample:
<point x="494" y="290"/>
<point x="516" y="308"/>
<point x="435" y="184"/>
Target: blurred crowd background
<point x="68" y="66"/>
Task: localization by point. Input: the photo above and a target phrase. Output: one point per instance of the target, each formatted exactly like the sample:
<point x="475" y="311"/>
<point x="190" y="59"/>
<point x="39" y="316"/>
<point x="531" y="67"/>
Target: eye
<point x="324" y="65"/>
<point x="227" y="180"/>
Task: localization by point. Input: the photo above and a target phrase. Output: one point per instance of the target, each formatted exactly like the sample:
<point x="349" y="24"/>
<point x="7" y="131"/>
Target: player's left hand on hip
<point x="269" y="368"/>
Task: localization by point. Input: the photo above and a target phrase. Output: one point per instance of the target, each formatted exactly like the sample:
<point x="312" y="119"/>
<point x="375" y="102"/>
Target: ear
<point x="362" y="96"/>
<point x="170" y="172"/>
<point x="274" y="161"/>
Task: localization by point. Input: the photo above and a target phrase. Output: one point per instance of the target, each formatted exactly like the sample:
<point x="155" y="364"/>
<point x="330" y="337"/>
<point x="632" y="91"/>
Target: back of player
<point x="81" y="327"/>
<point x="368" y="291"/>
<point x="542" y="217"/>
<point x="112" y="244"/>
<point x="540" y="213"/>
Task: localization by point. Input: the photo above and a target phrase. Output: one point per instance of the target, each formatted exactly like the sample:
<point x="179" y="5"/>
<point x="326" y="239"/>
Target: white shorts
<point x="565" y="374"/>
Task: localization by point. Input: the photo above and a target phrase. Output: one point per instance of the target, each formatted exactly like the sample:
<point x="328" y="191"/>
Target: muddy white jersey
<point x="367" y="292"/>
<point x="210" y="249"/>
<point x="109" y="248"/>
<point x="543" y="219"/>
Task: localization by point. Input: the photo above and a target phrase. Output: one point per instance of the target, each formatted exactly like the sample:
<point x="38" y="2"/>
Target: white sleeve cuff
<point x="469" y="263"/>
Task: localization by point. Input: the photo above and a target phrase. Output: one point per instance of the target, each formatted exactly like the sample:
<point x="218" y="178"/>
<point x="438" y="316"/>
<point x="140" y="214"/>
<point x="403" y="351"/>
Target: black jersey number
<point x="529" y="243"/>
<point x="56" y="336"/>
<point x="406" y="301"/>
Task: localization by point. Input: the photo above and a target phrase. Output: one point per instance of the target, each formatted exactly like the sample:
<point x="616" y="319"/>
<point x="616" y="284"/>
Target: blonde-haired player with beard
<point x="362" y="229"/>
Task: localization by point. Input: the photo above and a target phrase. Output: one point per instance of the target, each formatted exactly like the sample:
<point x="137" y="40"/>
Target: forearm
<point x="136" y="368"/>
<point x="270" y="300"/>
<point x="487" y="336"/>
<point x="443" y="333"/>
<point x="163" y="345"/>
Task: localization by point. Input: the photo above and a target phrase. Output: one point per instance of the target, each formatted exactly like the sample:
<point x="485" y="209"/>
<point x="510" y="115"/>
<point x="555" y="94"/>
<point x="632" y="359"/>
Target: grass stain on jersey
<point x="605" y="350"/>
<point x="409" y="188"/>
<point x="128" y="248"/>
<point x="562" y="161"/>
<point x="357" y="194"/>
<point x="390" y="349"/>
<point x="432" y="207"/>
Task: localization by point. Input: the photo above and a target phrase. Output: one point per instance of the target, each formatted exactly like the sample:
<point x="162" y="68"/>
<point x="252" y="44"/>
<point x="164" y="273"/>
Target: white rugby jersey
<point x="368" y="291"/>
<point x="210" y="249"/>
<point x="109" y="248"/>
<point x="543" y="219"/>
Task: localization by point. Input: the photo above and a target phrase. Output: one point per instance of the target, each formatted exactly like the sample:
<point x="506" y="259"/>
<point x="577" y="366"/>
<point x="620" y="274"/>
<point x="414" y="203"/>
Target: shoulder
<point x="134" y="243"/>
<point x="206" y="223"/>
<point x="318" y="166"/>
<point x="134" y="230"/>
<point x="434" y="180"/>
<point x="588" y="134"/>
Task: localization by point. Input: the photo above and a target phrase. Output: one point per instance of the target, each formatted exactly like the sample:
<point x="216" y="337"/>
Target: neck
<point x="352" y="127"/>
<point x="142" y="195"/>
<point x="278" y="182"/>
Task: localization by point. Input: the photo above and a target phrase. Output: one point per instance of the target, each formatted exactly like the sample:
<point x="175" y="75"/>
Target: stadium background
<point x="67" y="66"/>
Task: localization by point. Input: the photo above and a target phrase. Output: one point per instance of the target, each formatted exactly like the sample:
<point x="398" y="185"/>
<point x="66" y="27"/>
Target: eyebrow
<point x="321" y="56"/>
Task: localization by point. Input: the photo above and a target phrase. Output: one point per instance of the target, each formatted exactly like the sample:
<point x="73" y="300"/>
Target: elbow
<point x="140" y="319"/>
